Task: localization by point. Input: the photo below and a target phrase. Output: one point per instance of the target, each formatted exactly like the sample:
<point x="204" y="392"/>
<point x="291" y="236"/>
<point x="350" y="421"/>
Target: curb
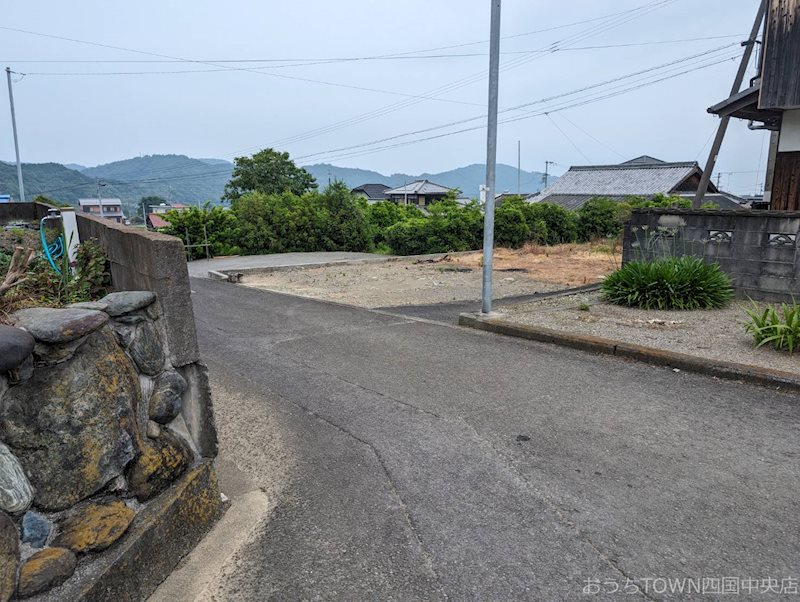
<point x="238" y="273"/>
<point x="764" y="377"/>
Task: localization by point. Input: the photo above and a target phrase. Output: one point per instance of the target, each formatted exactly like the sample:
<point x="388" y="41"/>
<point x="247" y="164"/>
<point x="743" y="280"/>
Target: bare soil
<point x="569" y="265"/>
<point x="714" y="334"/>
<point x="453" y="278"/>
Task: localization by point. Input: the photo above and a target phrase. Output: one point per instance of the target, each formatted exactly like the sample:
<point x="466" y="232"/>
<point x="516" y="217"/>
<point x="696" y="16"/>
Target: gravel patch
<point x="397" y="283"/>
<point x="715" y="334"/>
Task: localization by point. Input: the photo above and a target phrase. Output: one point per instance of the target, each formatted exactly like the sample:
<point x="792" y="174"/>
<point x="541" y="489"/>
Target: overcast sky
<point x="223" y="111"/>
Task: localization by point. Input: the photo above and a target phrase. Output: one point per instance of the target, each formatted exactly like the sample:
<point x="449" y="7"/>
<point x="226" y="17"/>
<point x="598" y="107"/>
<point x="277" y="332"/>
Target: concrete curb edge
<point x="721" y="369"/>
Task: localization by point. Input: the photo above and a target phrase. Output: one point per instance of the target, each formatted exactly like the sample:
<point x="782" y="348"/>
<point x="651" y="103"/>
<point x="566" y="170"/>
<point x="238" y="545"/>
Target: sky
<point x="167" y="77"/>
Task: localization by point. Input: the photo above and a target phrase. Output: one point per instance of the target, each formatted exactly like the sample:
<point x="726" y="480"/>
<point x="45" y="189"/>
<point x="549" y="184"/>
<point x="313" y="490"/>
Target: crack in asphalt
<point x="429" y="564"/>
<point x="504" y="459"/>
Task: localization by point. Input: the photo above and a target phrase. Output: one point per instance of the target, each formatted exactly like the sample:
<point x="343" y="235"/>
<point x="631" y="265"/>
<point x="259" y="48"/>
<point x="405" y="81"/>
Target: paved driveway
<point x="409" y="460"/>
<point x="200" y="267"/>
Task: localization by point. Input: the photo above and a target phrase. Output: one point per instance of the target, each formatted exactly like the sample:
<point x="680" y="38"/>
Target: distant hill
<point x="183" y="179"/>
<point x="175" y="177"/>
<point x="467" y="179"/>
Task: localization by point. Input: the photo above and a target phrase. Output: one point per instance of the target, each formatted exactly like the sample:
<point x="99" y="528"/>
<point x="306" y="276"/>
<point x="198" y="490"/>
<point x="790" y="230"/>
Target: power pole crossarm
<point x="491" y="158"/>
<point x="16" y="139"/>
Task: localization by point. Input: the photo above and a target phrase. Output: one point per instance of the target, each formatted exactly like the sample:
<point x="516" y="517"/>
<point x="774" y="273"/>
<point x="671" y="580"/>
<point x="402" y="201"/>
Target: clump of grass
<point x="584" y="307"/>
<point x="670" y="283"/>
<point x="779" y="328"/>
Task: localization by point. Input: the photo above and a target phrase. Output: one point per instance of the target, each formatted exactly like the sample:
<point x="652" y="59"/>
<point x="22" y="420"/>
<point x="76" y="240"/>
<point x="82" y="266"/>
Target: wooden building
<point x="772" y="102"/>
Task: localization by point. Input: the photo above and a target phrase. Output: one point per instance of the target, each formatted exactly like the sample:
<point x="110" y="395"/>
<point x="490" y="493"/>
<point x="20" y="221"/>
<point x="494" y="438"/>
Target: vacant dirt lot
<point x="454" y="278"/>
<point x="568" y="265"/>
<point x="716" y="334"/>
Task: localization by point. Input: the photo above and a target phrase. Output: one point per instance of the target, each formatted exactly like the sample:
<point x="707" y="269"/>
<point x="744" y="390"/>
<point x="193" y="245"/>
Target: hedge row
<point x="335" y="220"/>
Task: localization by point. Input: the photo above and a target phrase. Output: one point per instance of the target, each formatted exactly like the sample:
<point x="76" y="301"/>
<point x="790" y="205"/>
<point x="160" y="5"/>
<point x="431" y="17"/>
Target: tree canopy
<point x="268" y="172"/>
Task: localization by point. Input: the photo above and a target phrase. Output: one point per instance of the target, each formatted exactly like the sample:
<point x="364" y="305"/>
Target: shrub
<point x="510" y="228"/>
<point x="670" y="283"/>
<point x="599" y="218"/>
<point x="561" y="225"/>
<point x="347" y="228"/>
<point x="220" y="226"/>
<point x="780" y="329"/>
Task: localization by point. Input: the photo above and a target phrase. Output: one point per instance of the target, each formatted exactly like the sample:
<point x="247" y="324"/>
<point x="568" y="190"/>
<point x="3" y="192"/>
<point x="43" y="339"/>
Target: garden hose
<point x="55" y="250"/>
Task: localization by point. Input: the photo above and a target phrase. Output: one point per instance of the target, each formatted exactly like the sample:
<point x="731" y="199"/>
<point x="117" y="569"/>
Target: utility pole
<point x="723" y="124"/>
<point x="547" y="165"/>
<point x="519" y="164"/>
<point x="16" y="140"/>
<point x="719" y="177"/>
<point x="491" y="157"/>
<point x="100" y="199"/>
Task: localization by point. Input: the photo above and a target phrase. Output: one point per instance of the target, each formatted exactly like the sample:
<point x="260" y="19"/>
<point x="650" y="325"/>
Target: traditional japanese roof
<point x="419" y="187"/>
<point x="374" y="192"/>
<point x="643" y="176"/>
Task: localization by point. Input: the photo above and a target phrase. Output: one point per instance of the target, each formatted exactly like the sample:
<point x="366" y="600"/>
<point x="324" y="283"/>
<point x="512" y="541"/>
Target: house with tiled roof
<point x="643" y="176"/>
<point x="421" y="193"/>
<point x="372" y="192"/>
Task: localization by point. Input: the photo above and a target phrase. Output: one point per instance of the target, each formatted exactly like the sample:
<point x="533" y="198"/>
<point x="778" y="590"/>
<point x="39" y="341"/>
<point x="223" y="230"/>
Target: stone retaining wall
<point x="759" y="250"/>
<point x="97" y="425"/>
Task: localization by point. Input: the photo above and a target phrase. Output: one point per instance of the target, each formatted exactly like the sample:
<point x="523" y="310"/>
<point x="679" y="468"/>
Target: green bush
<point x="670" y="283"/>
<point x="599" y="218"/>
<point x="346" y="225"/>
<point x="780" y="329"/>
<point x="561" y="225"/>
<point x="510" y="228"/>
<point x="220" y="225"/>
<point x="448" y="227"/>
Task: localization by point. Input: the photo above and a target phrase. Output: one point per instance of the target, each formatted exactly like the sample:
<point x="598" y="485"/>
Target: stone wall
<point x="95" y="433"/>
<point x="759" y="250"/>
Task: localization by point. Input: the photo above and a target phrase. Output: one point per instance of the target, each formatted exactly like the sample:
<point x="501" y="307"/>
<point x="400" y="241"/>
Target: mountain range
<point x="183" y="179"/>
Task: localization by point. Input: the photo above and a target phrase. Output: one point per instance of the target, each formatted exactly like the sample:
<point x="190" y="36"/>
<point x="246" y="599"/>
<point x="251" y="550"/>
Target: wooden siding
<point x="786" y="183"/>
<point x="780" y="86"/>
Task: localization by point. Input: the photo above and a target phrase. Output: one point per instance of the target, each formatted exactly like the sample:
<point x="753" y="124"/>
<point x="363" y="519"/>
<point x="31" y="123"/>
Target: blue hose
<point x="53" y="251"/>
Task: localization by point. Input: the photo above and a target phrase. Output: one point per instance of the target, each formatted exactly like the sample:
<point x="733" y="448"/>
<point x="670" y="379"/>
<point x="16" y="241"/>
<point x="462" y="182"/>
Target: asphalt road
<point x="409" y="460"/>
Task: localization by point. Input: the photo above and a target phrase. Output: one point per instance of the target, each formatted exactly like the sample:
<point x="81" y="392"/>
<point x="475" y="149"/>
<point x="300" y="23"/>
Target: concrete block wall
<point x="143" y="260"/>
<point x="759" y="250"/>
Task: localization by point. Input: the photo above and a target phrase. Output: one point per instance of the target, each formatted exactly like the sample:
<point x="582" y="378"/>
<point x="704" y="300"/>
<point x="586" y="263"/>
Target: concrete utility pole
<point x="16" y="140"/>
<point x="723" y="124"/>
<point x="547" y="165"/>
<point x="491" y="158"/>
<point x="519" y="164"/>
<point x="100" y="199"/>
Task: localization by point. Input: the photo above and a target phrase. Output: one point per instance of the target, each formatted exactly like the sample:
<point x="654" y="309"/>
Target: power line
<point x="570" y="140"/>
<point x="525" y="105"/>
<point x="301" y="62"/>
<point x="531" y="114"/>
<point x="579" y="36"/>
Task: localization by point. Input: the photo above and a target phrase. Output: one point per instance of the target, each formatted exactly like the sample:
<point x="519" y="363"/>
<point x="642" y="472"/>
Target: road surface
<point x="410" y="460"/>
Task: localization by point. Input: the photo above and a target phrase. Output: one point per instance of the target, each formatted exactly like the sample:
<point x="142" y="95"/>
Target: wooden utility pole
<point x="723" y="124"/>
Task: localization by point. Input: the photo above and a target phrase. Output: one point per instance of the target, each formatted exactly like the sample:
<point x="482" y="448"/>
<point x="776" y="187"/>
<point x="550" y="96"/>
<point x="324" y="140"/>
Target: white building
<point x="112" y="208"/>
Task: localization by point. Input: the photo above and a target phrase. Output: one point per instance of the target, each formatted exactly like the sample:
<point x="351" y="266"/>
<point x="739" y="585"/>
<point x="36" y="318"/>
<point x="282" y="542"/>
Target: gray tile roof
<point x="573" y="202"/>
<point x="420" y="187"/>
<point x="374" y="192"/>
<point x="637" y="178"/>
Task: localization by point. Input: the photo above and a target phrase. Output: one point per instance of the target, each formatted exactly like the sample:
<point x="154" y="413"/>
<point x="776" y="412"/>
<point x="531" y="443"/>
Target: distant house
<point x="155" y="221"/>
<point x="421" y="193"/>
<point x="155" y="213"/>
<point x="164" y="207"/>
<point x="372" y="192"/>
<point x="112" y="208"/>
<point x="644" y="176"/>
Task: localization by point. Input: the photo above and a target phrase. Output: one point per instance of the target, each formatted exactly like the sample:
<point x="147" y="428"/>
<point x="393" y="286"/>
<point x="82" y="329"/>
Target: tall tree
<point x="270" y="172"/>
